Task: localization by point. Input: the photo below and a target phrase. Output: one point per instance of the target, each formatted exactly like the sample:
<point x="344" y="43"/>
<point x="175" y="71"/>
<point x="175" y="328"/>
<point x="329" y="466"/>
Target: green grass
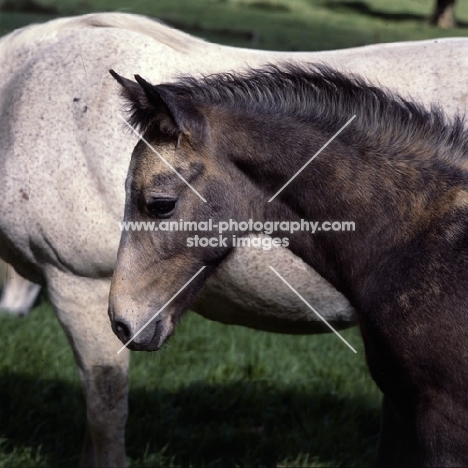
<point x="276" y="24"/>
<point x="215" y="396"/>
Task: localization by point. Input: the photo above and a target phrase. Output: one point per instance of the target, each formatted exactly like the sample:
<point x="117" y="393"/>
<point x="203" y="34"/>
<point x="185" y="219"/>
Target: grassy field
<point x="216" y="395"/>
<point x="272" y="24"/>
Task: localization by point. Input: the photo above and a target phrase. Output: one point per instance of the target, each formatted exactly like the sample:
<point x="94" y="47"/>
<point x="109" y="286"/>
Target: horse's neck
<point x="390" y="198"/>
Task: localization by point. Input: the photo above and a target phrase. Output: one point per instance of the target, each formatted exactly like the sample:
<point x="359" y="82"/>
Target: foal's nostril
<point x="121" y="330"/>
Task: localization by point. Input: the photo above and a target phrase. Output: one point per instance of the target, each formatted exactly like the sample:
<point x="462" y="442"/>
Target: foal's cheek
<point x="207" y="248"/>
<point x="221" y="194"/>
<point x="215" y="255"/>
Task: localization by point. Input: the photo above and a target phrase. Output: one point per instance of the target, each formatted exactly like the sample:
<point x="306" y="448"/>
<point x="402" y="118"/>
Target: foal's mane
<point x="328" y="98"/>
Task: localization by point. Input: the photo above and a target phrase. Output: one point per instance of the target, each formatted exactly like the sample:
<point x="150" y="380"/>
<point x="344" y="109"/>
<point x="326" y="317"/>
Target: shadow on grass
<point x="43" y="415"/>
<point x="362" y="8"/>
<point x="251" y="423"/>
<point x="196" y="28"/>
<point x="28" y="6"/>
<point x="244" y="423"/>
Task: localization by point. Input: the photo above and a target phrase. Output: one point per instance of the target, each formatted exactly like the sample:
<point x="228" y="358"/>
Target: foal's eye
<point x="161" y="207"/>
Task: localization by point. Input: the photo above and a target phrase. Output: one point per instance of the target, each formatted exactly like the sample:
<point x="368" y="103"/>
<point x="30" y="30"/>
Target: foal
<point x="397" y="170"/>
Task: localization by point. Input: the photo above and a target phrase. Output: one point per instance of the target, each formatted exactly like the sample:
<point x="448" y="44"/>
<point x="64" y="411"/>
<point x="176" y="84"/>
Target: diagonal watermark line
<point x="312" y="158"/>
<point x="161" y="309"/>
<point x="161" y="157"/>
<point x="312" y="309"/>
<point x="84" y="68"/>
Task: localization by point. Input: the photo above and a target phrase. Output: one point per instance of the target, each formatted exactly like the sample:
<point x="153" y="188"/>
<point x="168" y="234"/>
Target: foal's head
<point x="219" y="148"/>
<point x="174" y="176"/>
<point x="207" y="147"/>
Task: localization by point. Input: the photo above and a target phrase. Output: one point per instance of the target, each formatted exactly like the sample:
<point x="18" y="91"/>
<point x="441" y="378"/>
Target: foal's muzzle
<point x="141" y="335"/>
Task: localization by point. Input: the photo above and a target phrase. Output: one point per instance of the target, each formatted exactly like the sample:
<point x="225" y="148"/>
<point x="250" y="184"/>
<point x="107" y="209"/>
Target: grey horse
<point x="18" y="294"/>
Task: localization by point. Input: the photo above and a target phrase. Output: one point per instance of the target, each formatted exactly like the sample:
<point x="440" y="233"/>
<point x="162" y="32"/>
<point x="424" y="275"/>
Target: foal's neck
<point x="393" y="195"/>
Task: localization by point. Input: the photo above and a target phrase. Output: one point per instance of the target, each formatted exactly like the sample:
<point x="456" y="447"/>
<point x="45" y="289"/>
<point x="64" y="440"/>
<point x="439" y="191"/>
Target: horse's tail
<point x="18" y="294"/>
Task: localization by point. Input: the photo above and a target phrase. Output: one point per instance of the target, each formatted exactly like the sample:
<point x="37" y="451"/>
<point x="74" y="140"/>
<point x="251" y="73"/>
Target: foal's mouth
<point x="149" y="337"/>
<point x="163" y="328"/>
<point x="162" y="331"/>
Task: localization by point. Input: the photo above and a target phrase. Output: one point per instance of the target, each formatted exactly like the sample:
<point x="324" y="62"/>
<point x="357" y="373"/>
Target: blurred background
<point x="215" y="396"/>
<point x="267" y="24"/>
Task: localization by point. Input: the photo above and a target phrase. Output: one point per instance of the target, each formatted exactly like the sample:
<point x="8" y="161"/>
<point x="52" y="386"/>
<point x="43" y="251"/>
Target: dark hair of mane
<point x="327" y="98"/>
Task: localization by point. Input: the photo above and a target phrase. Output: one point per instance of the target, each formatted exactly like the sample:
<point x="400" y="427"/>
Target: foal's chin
<point x="154" y="335"/>
<point x="163" y="329"/>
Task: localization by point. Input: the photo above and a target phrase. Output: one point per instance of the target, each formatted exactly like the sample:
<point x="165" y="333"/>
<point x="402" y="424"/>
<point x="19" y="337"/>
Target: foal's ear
<point x="173" y="113"/>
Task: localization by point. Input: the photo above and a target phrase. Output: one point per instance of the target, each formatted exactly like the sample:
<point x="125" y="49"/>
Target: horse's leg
<point x="81" y="306"/>
<point x="397" y="442"/>
<point x="442" y="430"/>
<point x="388" y="437"/>
<point x="18" y="294"/>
